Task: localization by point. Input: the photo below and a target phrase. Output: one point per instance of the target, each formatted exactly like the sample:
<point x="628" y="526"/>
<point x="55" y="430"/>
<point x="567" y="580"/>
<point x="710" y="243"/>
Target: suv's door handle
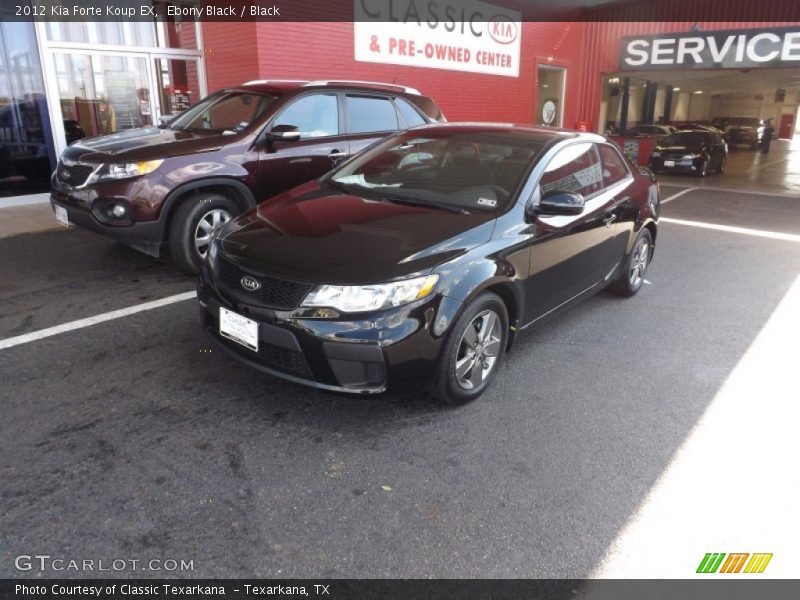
<point x="610" y="219"/>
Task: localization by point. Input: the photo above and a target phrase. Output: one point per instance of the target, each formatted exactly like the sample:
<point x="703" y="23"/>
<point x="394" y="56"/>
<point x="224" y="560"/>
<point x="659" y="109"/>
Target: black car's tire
<point x="753" y="145"/>
<point x="449" y="385"/>
<point x="631" y="279"/>
<point x="186" y="233"/>
<point x="721" y="167"/>
<point x="702" y="171"/>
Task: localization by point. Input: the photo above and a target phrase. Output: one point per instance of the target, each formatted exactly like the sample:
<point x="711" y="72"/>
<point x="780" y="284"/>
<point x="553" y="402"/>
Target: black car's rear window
<point x="687" y="138"/>
<point x="472" y="171"/>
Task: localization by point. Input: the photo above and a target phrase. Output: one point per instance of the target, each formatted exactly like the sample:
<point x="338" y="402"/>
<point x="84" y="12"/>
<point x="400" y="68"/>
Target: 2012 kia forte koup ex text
<point x="419" y="259"/>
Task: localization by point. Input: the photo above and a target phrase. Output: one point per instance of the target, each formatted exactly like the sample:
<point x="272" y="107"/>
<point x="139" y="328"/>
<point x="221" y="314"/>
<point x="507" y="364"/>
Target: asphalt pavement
<point x="134" y="439"/>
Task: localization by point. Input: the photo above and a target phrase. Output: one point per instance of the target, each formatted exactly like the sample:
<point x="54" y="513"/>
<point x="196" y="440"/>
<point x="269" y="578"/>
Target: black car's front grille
<point x="272" y="292"/>
<point x="73" y="175"/>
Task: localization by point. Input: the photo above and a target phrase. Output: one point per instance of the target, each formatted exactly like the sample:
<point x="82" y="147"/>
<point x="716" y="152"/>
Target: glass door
<point x="178" y="85"/>
<point x="550" y="88"/>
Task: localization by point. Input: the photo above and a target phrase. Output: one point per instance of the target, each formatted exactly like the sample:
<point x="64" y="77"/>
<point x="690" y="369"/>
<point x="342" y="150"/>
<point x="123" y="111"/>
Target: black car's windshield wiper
<point x="424" y="203"/>
<point x="336" y="185"/>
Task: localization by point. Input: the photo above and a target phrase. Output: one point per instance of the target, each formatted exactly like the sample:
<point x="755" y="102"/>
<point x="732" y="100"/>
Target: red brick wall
<point x="317" y="50"/>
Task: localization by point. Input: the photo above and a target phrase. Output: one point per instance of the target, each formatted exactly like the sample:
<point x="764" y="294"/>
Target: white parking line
<point x="89" y="321"/>
<point x="678" y="195"/>
<point x="774" y="235"/>
<point x="708" y="188"/>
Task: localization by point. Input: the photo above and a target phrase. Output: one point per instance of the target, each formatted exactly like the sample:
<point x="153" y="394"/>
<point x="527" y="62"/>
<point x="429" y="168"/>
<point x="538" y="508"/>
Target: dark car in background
<point x="695" y="152"/>
<point x="175" y="185"/>
<point x="420" y="259"/>
<point x="649" y="130"/>
<point x="743" y="131"/>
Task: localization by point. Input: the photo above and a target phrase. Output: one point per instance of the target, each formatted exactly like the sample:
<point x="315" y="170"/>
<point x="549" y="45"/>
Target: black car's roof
<point x="536" y="134"/>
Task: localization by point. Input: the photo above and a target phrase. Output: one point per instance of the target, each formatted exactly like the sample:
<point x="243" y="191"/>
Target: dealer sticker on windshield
<point x="490" y="202"/>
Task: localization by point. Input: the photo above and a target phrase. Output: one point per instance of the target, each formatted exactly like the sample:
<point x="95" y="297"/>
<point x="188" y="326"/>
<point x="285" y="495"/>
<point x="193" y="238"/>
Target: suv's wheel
<point x="631" y="278"/>
<point x="473" y="352"/>
<point x="192" y="225"/>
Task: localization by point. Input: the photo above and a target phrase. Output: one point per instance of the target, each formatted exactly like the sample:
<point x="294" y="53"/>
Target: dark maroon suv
<point x="175" y="185"/>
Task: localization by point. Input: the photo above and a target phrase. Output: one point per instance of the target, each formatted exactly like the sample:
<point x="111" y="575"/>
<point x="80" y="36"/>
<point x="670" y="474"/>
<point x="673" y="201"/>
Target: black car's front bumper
<point x="394" y="349"/>
<point x="678" y="164"/>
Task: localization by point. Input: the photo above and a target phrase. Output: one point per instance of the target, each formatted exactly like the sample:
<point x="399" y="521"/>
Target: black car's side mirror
<point x="558" y="202"/>
<point x="283" y="133"/>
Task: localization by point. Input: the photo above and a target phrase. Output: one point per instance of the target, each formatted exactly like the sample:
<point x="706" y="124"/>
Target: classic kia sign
<point x="740" y="48"/>
<point x="459" y="35"/>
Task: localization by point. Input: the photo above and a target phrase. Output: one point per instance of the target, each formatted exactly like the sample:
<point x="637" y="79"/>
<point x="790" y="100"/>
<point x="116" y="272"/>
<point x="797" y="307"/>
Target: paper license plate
<point x="61" y="215"/>
<point x="669" y="163"/>
<point x="240" y="329"/>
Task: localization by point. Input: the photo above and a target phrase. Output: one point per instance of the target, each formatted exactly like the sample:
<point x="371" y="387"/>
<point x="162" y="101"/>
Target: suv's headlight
<point x="131" y="169"/>
<point x="360" y="298"/>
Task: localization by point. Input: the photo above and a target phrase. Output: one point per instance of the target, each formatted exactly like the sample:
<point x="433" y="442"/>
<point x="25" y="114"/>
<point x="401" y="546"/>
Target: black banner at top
<point x="737" y="48"/>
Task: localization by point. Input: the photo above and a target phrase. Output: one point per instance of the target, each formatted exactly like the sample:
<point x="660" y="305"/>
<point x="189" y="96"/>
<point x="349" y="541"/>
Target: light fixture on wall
<point x="676" y="89"/>
<point x="698" y="92"/>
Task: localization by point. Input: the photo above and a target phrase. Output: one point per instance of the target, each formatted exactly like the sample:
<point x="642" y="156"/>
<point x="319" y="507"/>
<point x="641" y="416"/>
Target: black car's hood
<point x="146" y="143"/>
<point x="319" y="235"/>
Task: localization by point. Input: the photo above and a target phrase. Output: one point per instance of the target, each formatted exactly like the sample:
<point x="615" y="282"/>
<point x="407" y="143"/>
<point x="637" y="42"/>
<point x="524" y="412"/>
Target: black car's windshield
<point x="470" y="171"/>
<point x="224" y="112"/>
<point x="686" y="138"/>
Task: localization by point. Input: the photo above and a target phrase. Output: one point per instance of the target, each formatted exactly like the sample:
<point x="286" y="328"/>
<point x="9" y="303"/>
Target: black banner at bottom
<point x="401" y="589"/>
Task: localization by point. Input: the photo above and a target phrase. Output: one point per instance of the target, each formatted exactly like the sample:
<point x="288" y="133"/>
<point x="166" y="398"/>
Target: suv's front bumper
<point x="395" y="349"/>
<point x="83" y="206"/>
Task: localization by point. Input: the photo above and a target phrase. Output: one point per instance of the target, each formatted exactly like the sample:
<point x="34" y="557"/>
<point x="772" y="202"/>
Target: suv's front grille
<point x="272" y="293"/>
<point x="73" y="175"/>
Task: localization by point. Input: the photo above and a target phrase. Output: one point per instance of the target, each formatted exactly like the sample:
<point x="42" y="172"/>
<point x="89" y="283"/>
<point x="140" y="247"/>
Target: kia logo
<point x="65" y="174"/>
<point x="250" y="284"/>
<point x="502" y="29"/>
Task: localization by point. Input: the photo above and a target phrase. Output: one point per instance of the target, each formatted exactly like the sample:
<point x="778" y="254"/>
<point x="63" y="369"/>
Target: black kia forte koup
<point x="419" y="259"/>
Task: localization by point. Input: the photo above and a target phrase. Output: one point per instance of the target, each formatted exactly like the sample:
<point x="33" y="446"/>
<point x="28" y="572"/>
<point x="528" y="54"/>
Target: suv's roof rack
<point x="268" y="81"/>
<point x="383" y="84"/>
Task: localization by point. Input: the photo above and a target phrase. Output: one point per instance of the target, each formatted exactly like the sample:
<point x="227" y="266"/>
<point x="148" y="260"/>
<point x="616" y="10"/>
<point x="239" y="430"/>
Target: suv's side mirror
<point x="558" y="202"/>
<point x="284" y="133"/>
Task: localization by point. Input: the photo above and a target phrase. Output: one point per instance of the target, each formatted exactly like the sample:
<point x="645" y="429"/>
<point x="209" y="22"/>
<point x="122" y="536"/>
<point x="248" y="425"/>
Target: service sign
<point x="731" y="49"/>
<point x="457" y="35"/>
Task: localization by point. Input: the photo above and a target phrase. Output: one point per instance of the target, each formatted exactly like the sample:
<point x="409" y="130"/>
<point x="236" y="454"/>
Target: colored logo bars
<point x="733" y="563"/>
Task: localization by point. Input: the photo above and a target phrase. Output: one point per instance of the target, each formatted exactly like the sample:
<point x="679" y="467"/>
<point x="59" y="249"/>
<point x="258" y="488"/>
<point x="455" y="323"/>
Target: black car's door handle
<point x="609" y="219"/>
<point x="337" y="155"/>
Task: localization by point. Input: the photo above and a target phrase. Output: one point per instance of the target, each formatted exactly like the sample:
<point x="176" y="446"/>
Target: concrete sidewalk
<point x="26" y="214"/>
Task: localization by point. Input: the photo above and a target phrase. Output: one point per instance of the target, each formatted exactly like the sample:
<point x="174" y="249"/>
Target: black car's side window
<point x="315" y="115"/>
<point x="366" y="114"/>
<point x="411" y="116"/>
<point x="614" y="167"/>
<point x="575" y="168"/>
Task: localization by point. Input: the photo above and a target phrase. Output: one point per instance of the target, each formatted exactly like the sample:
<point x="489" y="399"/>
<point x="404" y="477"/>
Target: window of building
<point x="614" y="167"/>
<point x="366" y="114"/>
<point x="316" y="115"/>
<point x="576" y="168"/>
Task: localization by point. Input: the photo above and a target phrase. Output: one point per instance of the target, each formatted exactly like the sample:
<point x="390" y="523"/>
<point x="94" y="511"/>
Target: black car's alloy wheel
<point x="194" y="223"/>
<point x="473" y="351"/>
<point x="631" y="278"/>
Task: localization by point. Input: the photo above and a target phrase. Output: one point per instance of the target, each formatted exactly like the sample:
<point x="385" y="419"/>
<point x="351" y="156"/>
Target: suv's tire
<point x="194" y="220"/>
<point x="631" y="279"/>
<point x="459" y="377"/>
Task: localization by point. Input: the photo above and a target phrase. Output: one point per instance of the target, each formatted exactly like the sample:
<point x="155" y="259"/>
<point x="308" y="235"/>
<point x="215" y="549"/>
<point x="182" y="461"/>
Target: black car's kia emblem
<point x="250" y="284"/>
<point x="65" y="174"/>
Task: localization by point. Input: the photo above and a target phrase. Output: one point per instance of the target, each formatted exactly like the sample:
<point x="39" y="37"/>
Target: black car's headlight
<point x="363" y="298"/>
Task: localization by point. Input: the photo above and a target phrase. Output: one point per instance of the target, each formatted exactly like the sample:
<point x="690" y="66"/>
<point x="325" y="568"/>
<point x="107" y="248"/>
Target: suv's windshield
<point x="454" y="170"/>
<point x="224" y="112"/>
<point x="745" y="121"/>
<point x="686" y="138"/>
